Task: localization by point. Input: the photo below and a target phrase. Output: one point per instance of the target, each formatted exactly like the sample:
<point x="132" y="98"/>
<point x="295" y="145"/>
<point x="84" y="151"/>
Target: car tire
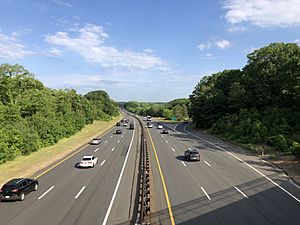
<point x="36" y="187"/>
<point x="22" y="196"/>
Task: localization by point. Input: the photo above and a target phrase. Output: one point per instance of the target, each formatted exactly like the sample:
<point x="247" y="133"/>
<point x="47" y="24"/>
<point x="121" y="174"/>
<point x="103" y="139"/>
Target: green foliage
<point x="33" y="116"/>
<point x="257" y="105"/>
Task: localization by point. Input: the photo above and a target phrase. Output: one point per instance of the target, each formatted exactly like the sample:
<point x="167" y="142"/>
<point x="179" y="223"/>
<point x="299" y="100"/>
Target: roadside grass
<point x="26" y="166"/>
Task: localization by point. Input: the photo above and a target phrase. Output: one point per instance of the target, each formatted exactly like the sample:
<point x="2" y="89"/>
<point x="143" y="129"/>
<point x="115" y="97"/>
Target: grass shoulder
<point x="26" y="166"/>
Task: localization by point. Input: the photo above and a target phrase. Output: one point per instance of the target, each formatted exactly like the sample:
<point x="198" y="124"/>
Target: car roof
<point x="193" y="150"/>
<point x="15" y="181"/>
<point x="88" y="156"/>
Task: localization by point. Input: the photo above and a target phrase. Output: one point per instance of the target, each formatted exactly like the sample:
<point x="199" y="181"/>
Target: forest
<point x="33" y="116"/>
<point x="257" y="105"/>
<point x="176" y="109"/>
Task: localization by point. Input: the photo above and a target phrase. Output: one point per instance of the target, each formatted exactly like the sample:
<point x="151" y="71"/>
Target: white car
<point x="125" y="124"/>
<point x="96" y="141"/>
<point x="159" y="126"/>
<point x="88" y="161"/>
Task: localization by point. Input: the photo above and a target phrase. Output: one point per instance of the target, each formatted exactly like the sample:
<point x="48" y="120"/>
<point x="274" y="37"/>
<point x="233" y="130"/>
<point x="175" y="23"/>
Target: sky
<point x="139" y="50"/>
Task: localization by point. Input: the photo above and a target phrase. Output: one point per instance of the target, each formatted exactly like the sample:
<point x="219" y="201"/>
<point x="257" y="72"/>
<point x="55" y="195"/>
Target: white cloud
<point x="220" y="43"/>
<point x="236" y="29"/>
<point x="11" y="47"/>
<point x="204" y="46"/>
<point x="89" y="44"/>
<point x="263" y="13"/>
<point x="63" y="3"/>
<point x="297" y="41"/>
<point x="54" y="52"/>
<point x="223" y="44"/>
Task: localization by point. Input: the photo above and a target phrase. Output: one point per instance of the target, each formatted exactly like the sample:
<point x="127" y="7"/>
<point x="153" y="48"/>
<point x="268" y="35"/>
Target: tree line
<point x="259" y="104"/>
<point x="34" y="116"/>
<point x="176" y="109"/>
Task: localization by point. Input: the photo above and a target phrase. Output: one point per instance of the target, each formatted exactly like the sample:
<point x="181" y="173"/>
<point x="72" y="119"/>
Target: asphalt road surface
<point x="68" y="195"/>
<point x="227" y="187"/>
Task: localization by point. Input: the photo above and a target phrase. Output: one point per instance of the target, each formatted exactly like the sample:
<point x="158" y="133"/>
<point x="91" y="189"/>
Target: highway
<point x="227" y="187"/>
<point x="68" y="195"/>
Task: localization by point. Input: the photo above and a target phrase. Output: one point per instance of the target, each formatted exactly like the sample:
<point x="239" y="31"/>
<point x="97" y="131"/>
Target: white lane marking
<point x="205" y="193"/>
<point x="176" y="126"/>
<point x="102" y="163"/>
<point x="118" y="141"/>
<point x="111" y="136"/>
<point x="124" y="132"/>
<point x="105" y="142"/>
<point x="269" y="179"/>
<point x="113" y="149"/>
<point x="167" y="141"/>
<point x="96" y="149"/>
<point x="46" y="192"/>
<point x="81" y="190"/>
<point x="162" y="136"/>
<point x="207" y="163"/>
<point x="242" y="193"/>
<point x="118" y="183"/>
<point x="173" y="149"/>
<point x="122" y="136"/>
<point x="183" y="163"/>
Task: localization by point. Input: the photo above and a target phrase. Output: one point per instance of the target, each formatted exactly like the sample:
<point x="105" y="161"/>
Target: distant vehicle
<point x="126" y="120"/>
<point x="122" y="120"/>
<point x="159" y="126"/>
<point x="118" y="124"/>
<point x="192" y="155"/>
<point x="149" y="125"/>
<point x="16" y="189"/>
<point x="125" y="124"/>
<point x="88" y="161"/>
<point x="131" y="127"/>
<point x="149" y="118"/>
<point x="145" y="118"/>
<point x="119" y="131"/>
<point x="165" y="131"/>
<point x="96" y="141"/>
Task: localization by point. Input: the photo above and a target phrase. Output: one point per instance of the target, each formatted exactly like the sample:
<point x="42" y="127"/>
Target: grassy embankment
<point x="26" y="166"/>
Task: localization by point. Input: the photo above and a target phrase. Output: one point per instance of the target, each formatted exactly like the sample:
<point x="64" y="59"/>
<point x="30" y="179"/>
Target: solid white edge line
<point x="96" y="149"/>
<point x="205" y="193"/>
<point x="102" y="162"/>
<point x="269" y="179"/>
<point x="113" y="149"/>
<point x="207" y="163"/>
<point x="46" y="192"/>
<point x="81" y="190"/>
<point x="173" y="149"/>
<point x="242" y="193"/>
<point x="183" y="163"/>
<point x="118" y="183"/>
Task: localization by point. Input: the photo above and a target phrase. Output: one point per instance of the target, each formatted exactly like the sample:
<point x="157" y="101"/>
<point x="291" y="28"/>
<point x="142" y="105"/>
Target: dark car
<point x="118" y="131"/>
<point x="192" y="155"/>
<point x="165" y="131"/>
<point x="16" y="189"/>
<point x="131" y="127"/>
<point x="118" y="124"/>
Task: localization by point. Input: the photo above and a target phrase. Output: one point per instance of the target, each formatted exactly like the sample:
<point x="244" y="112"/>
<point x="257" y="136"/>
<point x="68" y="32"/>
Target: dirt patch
<point x="288" y="163"/>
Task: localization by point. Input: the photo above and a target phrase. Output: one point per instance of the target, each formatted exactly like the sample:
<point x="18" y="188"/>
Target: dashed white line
<point x="118" y="141"/>
<point x="236" y="157"/>
<point x="113" y="149"/>
<point x="207" y="163"/>
<point x="81" y="190"/>
<point x="105" y="142"/>
<point x="167" y="141"/>
<point x="96" y="149"/>
<point x="173" y="149"/>
<point x="205" y="193"/>
<point x="122" y="136"/>
<point x="46" y="192"/>
<point x="242" y="193"/>
<point x="183" y="163"/>
<point x="162" y="136"/>
<point x="111" y="136"/>
<point x="102" y="163"/>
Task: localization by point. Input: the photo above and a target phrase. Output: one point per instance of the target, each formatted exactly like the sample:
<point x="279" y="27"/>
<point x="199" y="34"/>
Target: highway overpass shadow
<point x="265" y="205"/>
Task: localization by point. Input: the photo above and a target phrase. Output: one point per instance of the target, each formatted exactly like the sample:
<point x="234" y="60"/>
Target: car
<point x="122" y="120"/>
<point x="118" y="131"/>
<point x="165" y="131"/>
<point x="125" y="124"/>
<point x="159" y="126"/>
<point x="16" y="189"/>
<point x="131" y="127"/>
<point x="88" y="161"/>
<point x="192" y="155"/>
<point x="96" y="141"/>
<point x="118" y="124"/>
<point x="149" y="125"/>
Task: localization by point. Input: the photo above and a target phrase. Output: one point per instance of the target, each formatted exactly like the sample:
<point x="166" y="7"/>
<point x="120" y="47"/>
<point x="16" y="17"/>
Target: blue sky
<point x="144" y="50"/>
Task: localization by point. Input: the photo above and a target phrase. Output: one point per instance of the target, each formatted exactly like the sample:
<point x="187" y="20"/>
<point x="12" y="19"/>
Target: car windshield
<point x="86" y="159"/>
<point x="194" y="153"/>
